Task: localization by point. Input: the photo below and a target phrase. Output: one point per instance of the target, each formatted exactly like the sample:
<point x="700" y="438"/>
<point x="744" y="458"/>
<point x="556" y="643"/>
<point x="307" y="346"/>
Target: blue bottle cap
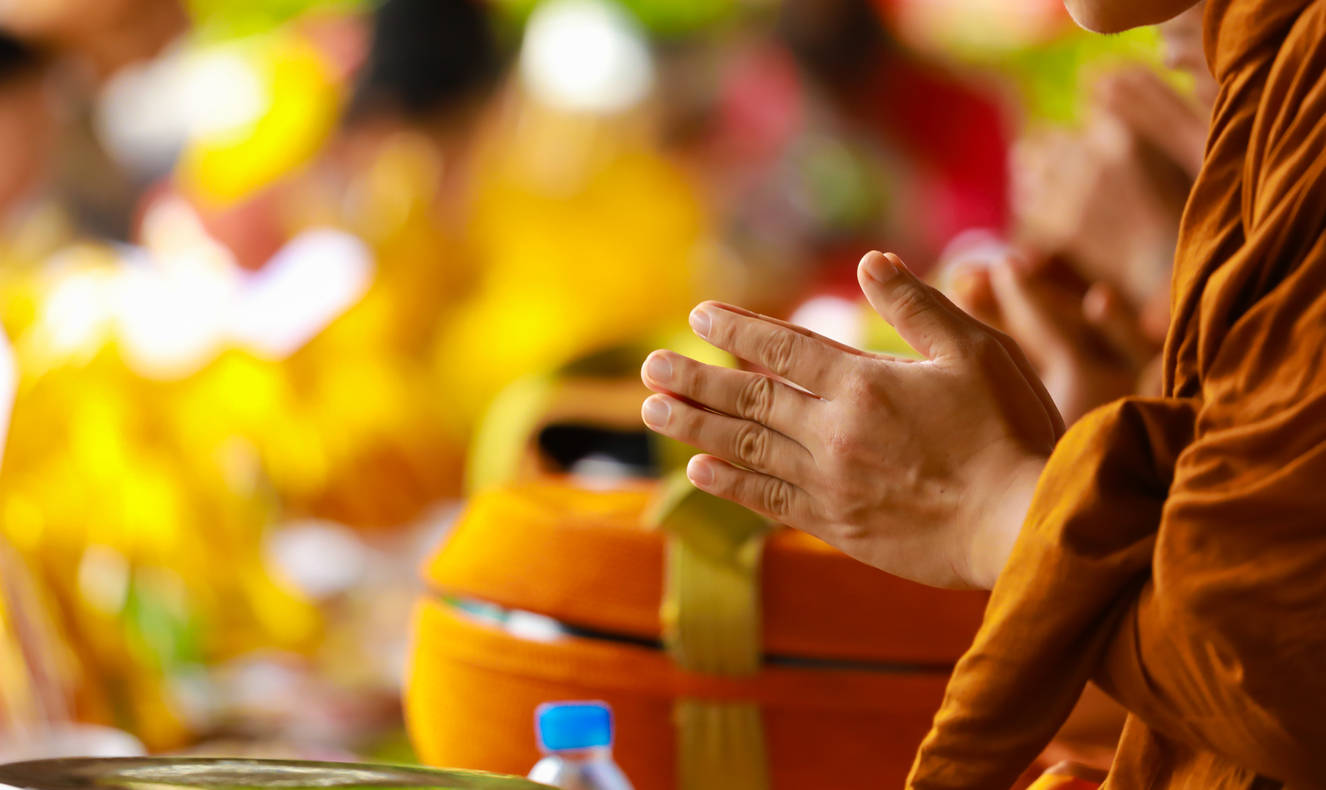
<point x="573" y="725"/>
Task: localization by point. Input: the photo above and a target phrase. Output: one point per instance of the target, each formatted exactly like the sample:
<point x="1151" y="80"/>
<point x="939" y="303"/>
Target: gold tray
<point x="207" y="773"/>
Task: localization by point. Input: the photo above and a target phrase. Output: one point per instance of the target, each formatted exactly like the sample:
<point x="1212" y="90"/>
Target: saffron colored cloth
<point x="1062" y="782"/>
<point x="1175" y="550"/>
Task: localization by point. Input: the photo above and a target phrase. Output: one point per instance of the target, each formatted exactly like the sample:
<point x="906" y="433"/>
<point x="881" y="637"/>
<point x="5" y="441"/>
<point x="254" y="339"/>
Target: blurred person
<point x="56" y="55"/>
<point x="1086" y="300"/>
<point x="185" y="445"/>
<point x="396" y="174"/>
<point x="1182" y="39"/>
<point x="587" y="233"/>
<point x="81" y="45"/>
<point x="362" y="437"/>
<point x="1171" y="122"/>
<point x="104" y="35"/>
<point x="1072" y="190"/>
<point x="944" y="125"/>
<point x="1167" y="548"/>
<point x="399" y="171"/>
<point x="55" y="183"/>
<point x="818" y="134"/>
<point x="431" y="68"/>
<point x="37" y="219"/>
<point x="783" y="178"/>
<point x="27" y="122"/>
<point x="116" y="514"/>
<point x="1096" y="217"/>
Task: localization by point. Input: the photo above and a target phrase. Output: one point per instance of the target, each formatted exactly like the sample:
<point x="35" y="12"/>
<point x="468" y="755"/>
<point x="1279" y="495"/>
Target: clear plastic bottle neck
<point x="589" y="755"/>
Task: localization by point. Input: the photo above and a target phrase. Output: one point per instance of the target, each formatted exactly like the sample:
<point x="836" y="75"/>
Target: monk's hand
<point x="922" y="468"/>
<point x="1087" y="343"/>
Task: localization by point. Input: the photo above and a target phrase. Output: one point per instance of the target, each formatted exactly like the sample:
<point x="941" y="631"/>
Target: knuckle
<point x="721" y="332"/>
<point x="755" y="398"/>
<point x="840" y="443"/>
<point x="911" y="300"/>
<point x="691" y="379"/>
<point x="979" y="344"/>
<point x="775" y="497"/>
<point x="858" y="386"/>
<point x="750" y="445"/>
<point x="691" y="425"/>
<point x="780" y="351"/>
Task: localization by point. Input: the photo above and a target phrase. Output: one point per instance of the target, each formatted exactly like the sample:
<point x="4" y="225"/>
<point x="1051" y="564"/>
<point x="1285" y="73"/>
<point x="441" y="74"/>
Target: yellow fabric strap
<point x="711" y="624"/>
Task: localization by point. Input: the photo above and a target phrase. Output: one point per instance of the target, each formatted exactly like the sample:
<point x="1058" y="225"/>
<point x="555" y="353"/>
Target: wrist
<point x="996" y="527"/>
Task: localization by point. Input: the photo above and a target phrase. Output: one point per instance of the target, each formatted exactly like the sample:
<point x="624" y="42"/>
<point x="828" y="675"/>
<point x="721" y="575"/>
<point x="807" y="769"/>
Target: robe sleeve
<point x="1175" y="549"/>
<point x="1174" y="552"/>
<point x="1224" y="647"/>
<point x="1079" y="564"/>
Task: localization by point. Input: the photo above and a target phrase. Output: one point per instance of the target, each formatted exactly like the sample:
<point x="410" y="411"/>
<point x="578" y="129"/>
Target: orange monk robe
<point x="1175" y="550"/>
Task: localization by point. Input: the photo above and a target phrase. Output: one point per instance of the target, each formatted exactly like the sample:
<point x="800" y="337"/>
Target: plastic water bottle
<point x="576" y="740"/>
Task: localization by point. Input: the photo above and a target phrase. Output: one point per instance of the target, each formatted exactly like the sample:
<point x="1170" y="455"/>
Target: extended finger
<point x="1157" y="114"/>
<point x="923" y="316"/>
<point x="1015" y="352"/>
<point x="769" y="496"/>
<point x="801" y="357"/>
<point x="742" y="394"/>
<point x="741" y="442"/>
<point x="1032" y="314"/>
<point x="969" y="289"/>
<point x="801" y="330"/>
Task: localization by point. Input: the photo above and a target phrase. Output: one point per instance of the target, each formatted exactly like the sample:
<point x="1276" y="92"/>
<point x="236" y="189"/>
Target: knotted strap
<point x="711" y="625"/>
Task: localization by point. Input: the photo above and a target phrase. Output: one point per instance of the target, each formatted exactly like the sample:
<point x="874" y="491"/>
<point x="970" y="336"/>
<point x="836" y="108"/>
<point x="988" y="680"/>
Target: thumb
<point x="1041" y="319"/>
<point x="1109" y="313"/>
<point x="971" y="291"/>
<point x="927" y="320"/>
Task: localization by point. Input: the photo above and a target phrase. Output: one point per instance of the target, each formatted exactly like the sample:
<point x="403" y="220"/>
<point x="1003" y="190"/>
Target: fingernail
<point x="1006" y="268"/>
<point x="658" y="368"/>
<point x="1019" y="264"/>
<point x="879" y="267"/>
<point x="1096" y="304"/>
<point x="655" y="412"/>
<point x="967" y="279"/>
<point x="700" y="321"/>
<point x="699" y="472"/>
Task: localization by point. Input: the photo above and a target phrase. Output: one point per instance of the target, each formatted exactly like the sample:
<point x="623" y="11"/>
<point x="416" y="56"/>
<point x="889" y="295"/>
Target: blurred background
<point x="278" y="279"/>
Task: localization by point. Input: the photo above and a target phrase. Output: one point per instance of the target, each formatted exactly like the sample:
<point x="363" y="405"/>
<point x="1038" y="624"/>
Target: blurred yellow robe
<point x="1175" y="551"/>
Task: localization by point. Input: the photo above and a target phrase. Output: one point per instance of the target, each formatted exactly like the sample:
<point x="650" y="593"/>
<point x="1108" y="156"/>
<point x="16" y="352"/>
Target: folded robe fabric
<point x="1175" y="549"/>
